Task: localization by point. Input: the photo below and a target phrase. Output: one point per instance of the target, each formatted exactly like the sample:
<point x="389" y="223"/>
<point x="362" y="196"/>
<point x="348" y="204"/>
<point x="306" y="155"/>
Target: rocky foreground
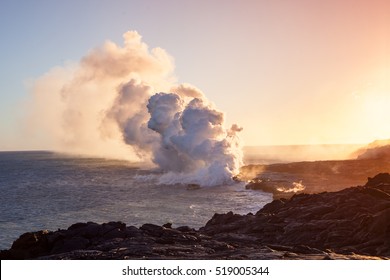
<point x="353" y="223"/>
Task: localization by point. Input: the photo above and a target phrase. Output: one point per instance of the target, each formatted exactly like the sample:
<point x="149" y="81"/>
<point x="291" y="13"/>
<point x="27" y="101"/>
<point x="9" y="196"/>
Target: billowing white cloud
<point x="125" y="102"/>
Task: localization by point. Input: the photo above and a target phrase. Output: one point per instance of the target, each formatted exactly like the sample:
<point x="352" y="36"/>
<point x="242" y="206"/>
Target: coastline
<point x="353" y="223"/>
<point x="315" y="176"/>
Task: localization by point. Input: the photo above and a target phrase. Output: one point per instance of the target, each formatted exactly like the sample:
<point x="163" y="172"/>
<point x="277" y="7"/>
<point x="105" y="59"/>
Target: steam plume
<point x="107" y="105"/>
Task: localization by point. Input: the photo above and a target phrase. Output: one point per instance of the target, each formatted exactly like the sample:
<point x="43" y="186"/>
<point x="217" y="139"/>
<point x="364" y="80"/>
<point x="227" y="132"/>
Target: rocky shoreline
<point x="353" y="223"/>
<point x="283" y="180"/>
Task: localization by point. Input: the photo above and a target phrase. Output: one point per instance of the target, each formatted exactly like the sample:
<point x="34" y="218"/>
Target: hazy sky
<point x="288" y="72"/>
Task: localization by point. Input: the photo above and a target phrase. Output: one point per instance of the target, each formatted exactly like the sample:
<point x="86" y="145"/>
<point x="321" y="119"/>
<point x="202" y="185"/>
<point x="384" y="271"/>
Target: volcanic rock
<point x="353" y="223"/>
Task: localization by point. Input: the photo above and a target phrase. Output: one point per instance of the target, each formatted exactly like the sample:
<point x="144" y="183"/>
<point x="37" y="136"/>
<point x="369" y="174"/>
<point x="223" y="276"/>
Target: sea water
<point x="45" y="190"/>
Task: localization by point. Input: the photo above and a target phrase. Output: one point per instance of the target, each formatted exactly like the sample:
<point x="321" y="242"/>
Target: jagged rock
<point x="167" y="225"/>
<point x="153" y="230"/>
<point x="379" y="179"/>
<point x="70" y="244"/>
<point x="355" y="219"/>
<point x="185" y="229"/>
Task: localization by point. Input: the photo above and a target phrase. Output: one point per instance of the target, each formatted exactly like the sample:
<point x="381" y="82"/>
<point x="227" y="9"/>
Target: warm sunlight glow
<point x="377" y="114"/>
<point x="377" y="107"/>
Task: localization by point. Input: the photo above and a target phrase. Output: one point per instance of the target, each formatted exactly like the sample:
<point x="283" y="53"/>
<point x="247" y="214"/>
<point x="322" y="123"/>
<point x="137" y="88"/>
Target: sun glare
<point x="376" y="113"/>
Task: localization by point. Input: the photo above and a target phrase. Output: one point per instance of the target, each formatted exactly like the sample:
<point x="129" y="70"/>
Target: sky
<point x="288" y="72"/>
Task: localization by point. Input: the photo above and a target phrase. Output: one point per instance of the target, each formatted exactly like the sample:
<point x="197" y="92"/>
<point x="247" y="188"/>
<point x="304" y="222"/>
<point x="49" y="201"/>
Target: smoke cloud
<point x="124" y="102"/>
<point x="379" y="149"/>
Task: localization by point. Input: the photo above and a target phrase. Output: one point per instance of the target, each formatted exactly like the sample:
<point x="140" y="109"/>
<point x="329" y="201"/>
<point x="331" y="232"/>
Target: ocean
<point x="46" y="190"/>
